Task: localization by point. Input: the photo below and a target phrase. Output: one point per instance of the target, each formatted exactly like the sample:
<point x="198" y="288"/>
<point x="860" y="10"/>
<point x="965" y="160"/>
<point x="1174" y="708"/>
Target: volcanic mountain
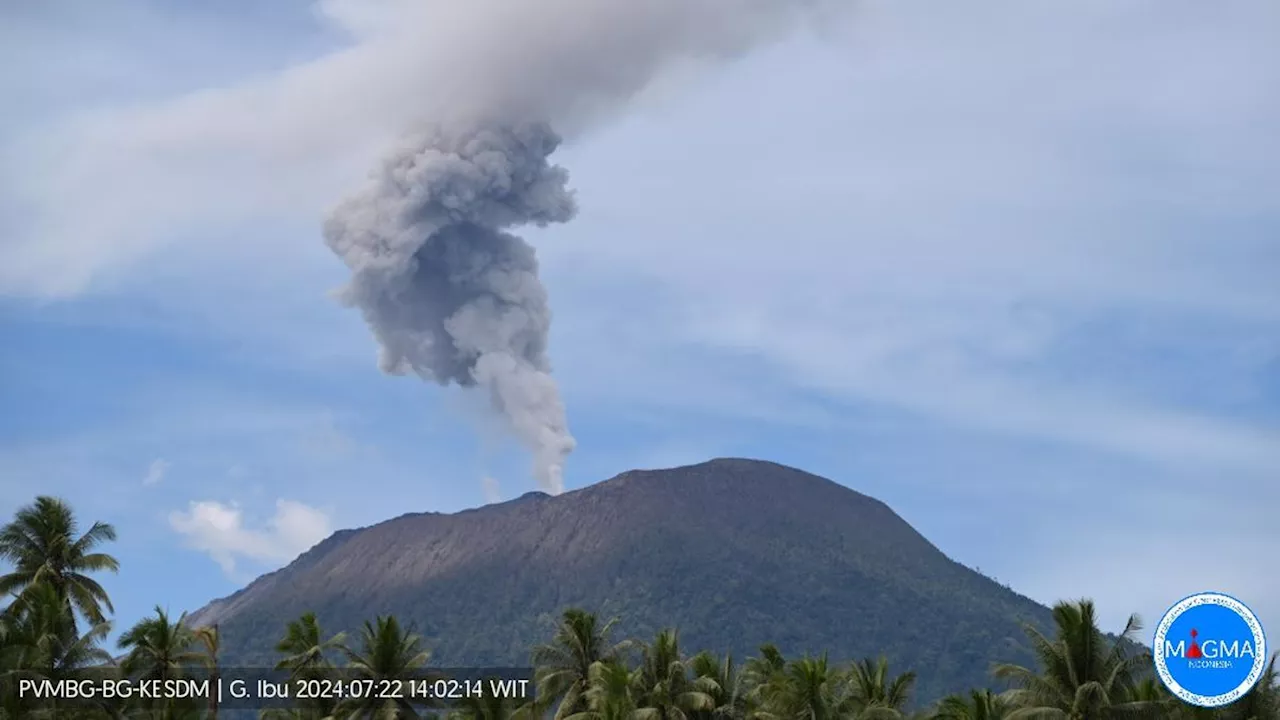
<point x="734" y="553"/>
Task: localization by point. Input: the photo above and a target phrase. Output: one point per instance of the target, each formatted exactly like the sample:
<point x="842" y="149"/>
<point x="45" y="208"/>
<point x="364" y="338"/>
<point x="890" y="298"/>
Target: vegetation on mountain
<point x="583" y="671"/>
<point x="735" y="553"/>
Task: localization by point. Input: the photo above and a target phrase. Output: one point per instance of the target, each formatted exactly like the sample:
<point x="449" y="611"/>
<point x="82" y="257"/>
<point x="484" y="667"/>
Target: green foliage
<point x="875" y="692"/>
<point x="387" y="652"/>
<point x="158" y="648"/>
<point x="39" y="640"/>
<point x="306" y="652"/>
<point x="580" y="673"/>
<point x="720" y="679"/>
<point x="977" y="705"/>
<point x="563" y="666"/>
<point x="667" y="691"/>
<point x="490" y="707"/>
<point x="1082" y="674"/>
<point x="610" y="693"/>
<point x="41" y="545"/>
<point x="708" y="550"/>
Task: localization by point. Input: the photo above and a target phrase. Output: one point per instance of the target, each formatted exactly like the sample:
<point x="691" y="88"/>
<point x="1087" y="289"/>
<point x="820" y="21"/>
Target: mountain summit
<point x="733" y="552"/>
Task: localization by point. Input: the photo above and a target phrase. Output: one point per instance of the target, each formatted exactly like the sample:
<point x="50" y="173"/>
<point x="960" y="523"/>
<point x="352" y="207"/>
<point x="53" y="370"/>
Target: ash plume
<point x="450" y="293"/>
<point x="451" y="296"/>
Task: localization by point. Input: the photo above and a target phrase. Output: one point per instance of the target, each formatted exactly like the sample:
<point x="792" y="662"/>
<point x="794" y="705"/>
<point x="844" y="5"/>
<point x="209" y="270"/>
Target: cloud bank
<point x="303" y="135"/>
<point x="221" y="530"/>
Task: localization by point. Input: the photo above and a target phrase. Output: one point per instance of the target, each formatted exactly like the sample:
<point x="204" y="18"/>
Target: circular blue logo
<point x="1209" y="649"/>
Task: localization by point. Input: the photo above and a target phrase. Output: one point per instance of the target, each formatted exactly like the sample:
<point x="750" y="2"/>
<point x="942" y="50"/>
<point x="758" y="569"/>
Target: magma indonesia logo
<point x="1210" y="649"/>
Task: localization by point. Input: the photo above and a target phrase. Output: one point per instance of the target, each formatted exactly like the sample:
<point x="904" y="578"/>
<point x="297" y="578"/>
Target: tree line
<point x="55" y="623"/>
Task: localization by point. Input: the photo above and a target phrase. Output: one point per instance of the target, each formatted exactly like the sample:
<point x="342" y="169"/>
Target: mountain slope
<point x="733" y="552"/>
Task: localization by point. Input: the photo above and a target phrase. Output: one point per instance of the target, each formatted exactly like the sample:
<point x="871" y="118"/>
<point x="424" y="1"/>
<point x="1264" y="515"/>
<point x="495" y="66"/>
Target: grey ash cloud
<point x="450" y="295"/>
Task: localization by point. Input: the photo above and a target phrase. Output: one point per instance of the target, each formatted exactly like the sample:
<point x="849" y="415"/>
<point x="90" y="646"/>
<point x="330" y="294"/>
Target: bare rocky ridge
<point x="733" y="552"/>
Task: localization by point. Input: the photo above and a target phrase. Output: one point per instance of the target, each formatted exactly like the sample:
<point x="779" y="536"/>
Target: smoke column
<point x="450" y="293"/>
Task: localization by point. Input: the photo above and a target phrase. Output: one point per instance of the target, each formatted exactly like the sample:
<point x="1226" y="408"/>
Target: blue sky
<point x="1009" y="267"/>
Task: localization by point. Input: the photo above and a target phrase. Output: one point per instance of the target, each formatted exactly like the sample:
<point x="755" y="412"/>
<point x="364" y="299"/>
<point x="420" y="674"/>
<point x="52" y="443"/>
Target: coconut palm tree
<point x="977" y="705"/>
<point x="875" y="694"/>
<point x="57" y="648"/>
<point x="14" y="649"/>
<point x="1260" y="703"/>
<point x="304" y="647"/>
<point x="210" y="641"/>
<point x="41" y="544"/>
<point x="809" y="689"/>
<point x="489" y="706"/>
<point x="387" y="652"/>
<point x="762" y="675"/>
<point x="610" y="692"/>
<point x="1083" y="675"/>
<point x="666" y="691"/>
<point x="562" y="668"/>
<point x="723" y="683"/>
<point x="1150" y="690"/>
<point x="39" y="641"/>
<point x="159" y="648"/>
<point x="307" y="654"/>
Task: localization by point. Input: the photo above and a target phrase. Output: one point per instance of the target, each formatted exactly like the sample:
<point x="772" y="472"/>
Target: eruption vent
<point x="448" y="293"/>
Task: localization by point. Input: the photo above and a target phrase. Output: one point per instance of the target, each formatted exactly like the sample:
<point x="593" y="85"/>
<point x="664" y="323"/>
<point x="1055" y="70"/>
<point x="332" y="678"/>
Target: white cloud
<point x="294" y="138"/>
<point x="156" y="472"/>
<point x="222" y="531"/>
<point x="984" y="226"/>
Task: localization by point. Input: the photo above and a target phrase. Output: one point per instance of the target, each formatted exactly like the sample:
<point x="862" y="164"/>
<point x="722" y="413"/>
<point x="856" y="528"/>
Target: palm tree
<point x="809" y="689"/>
<point x="763" y="674"/>
<point x="667" y="693"/>
<point x="59" y="649"/>
<point x="488" y="706"/>
<point x="875" y="694"/>
<point x="722" y="682"/>
<point x="42" y="546"/>
<point x="305" y="648"/>
<point x="610" y="692"/>
<point x="307" y="655"/>
<point x="211" y="641"/>
<point x="160" y="649"/>
<point x="1150" y="690"/>
<point x="1083" y="675"/>
<point x="14" y="649"/>
<point x="1260" y="703"/>
<point x="562" y="668"/>
<point x="387" y="652"/>
<point x="977" y="705"/>
<point x="39" y="641"/>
